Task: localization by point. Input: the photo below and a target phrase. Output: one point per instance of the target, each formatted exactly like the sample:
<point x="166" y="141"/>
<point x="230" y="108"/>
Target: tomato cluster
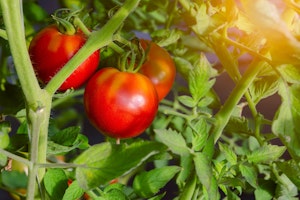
<point x="120" y="104"/>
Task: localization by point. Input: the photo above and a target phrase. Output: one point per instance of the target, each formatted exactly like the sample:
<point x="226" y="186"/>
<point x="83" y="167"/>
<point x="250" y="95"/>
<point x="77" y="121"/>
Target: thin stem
<point x="223" y="116"/>
<point x="97" y="40"/>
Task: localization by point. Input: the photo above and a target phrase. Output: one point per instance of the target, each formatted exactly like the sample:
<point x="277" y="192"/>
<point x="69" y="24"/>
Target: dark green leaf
<point x="11" y="99"/>
<point x="56" y="182"/>
<point x="105" y="161"/>
<point x="173" y="140"/>
<point x="183" y="67"/>
<point x="204" y="172"/>
<point x="265" y="190"/>
<point x="73" y="191"/>
<point x="266" y="154"/>
<point x="9" y="179"/>
<point x="67" y="136"/>
<point x="149" y="183"/>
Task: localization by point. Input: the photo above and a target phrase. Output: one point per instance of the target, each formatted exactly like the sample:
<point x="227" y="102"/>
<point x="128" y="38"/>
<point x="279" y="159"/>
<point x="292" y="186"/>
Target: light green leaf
<point x="290" y="73"/>
<point x="173" y="140"/>
<point x="56" y="182"/>
<point x="105" y="161"/>
<point x="263" y="87"/>
<point x="249" y="173"/>
<point x="292" y="170"/>
<point x="73" y="191"/>
<point x="149" y="183"/>
<point x="228" y="153"/>
<point x="200" y="134"/>
<point x="4" y="131"/>
<point x="286" y="122"/>
<point x="266" y="154"/>
<point x="187" y="101"/>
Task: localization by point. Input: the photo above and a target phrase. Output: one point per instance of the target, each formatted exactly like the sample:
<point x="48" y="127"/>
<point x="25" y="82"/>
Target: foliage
<point x="203" y="144"/>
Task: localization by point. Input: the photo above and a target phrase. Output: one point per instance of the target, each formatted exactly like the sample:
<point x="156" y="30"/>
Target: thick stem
<point x="38" y="101"/>
<point x="97" y="40"/>
<point x="223" y="116"/>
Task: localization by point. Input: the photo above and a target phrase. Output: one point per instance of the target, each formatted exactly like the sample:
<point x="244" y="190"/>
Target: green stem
<point x="37" y="100"/>
<point x="223" y="116"/>
<point x="97" y="40"/>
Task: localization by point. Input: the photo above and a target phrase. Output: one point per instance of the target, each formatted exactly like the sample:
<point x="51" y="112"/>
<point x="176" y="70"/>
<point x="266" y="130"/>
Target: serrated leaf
<point x="56" y="182"/>
<point x="266" y="154"/>
<point x="200" y="134"/>
<point x="187" y="101"/>
<point x="183" y="66"/>
<point x="105" y="161"/>
<point x="149" y="183"/>
<point x="228" y="153"/>
<point x="286" y="190"/>
<point x="249" y="173"/>
<point x="199" y="79"/>
<point x="186" y="164"/>
<point x="263" y="87"/>
<point x="292" y="170"/>
<point x="67" y="136"/>
<point x="290" y="73"/>
<point x="265" y="190"/>
<point x="173" y="140"/>
<point x="73" y="191"/>
<point x="204" y="172"/>
<point x="286" y="122"/>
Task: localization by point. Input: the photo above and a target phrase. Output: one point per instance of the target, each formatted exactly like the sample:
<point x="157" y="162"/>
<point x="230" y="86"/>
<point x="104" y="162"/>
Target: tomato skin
<point x="50" y="50"/>
<point x="120" y="104"/>
<point x="159" y="67"/>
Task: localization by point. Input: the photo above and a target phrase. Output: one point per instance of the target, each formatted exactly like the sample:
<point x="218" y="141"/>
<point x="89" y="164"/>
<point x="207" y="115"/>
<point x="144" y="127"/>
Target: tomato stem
<point x="78" y="22"/>
<point x="97" y="40"/>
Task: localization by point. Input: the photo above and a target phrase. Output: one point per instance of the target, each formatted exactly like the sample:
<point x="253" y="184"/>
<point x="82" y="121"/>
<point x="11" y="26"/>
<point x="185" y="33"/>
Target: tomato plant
<point x="51" y="49"/>
<point x="120" y="104"/>
<point x="159" y="67"/>
<point x="228" y="130"/>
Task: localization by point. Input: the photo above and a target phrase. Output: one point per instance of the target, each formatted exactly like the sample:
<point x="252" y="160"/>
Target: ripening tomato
<point x="50" y="50"/>
<point x="159" y="67"/>
<point x="120" y="104"/>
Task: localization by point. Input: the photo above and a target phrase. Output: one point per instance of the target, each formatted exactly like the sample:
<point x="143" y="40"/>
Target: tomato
<point x="159" y="67"/>
<point x="120" y="104"/>
<point x="50" y="50"/>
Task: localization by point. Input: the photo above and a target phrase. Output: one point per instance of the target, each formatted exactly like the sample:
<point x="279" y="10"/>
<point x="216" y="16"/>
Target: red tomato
<point x="159" y="67"/>
<point x="50" y="50"/>
<point x="120" y="104"/>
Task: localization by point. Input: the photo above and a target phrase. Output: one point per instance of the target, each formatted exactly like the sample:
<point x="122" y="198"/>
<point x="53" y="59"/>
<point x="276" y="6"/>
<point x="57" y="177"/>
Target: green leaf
<point x="56" y="182"/>
<point x="187" y="101"/>
<point x="173" y="140"/>
<point x="286" y="122"/>
<point x="3" y="160"/>
<point x="186" y="164"/>
<point x="73" y="191"/>
<point x="4" y="131"/>
<point x="183" y="66"/>
<point x="200" y="134"/>
<point x="204" y="172"/>
<point x="149" y="183"/>
<point x="263" y="87"/>
<point x="286" y="190"/>
<point x="249" y="173"/>
<point x="11" y="99"/>
<point x="265" y="190"/>
<point x="105" y="161"/>
<point x="9" y="179"/>
<point x="266" y="154"/>
<point x="228" y="153"/>
<point x="67" y="136"/>
<point x="199" y="80"/>
<point x="189" y="189"/>
<point x="290" y="73"/>
<point x="292" y="170"/>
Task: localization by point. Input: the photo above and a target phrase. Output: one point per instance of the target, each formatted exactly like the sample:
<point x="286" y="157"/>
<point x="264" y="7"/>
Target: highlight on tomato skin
<point x="159" y="67"/>
<point x="120" y="104"/>
<point x="50" y="50"/>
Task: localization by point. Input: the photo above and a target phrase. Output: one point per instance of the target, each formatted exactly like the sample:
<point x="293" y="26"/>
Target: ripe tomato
<point x="120" y="104"/>
<point x="50" y="50"/>
<point x="159" y="67"/>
